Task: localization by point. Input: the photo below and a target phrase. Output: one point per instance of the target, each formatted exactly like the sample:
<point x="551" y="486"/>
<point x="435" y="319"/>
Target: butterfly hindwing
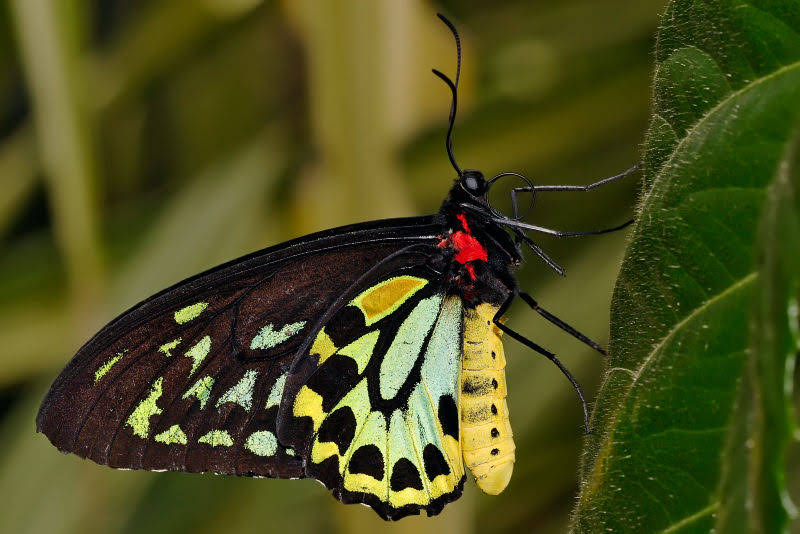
<point x="191" y="379"/>
<point x="372" y="400"/>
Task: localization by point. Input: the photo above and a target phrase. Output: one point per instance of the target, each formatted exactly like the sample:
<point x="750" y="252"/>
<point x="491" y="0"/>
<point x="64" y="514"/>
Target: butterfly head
<point x="470" y="191"/>
<point x="468" y="199"/>
<point x="473" y="182"/>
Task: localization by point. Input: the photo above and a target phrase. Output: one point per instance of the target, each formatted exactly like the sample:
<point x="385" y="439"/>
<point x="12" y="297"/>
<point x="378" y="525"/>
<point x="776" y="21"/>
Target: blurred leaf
<point x="347" y="61"/>
<point x="162" y="34"/>
<point x="17" y="175"/>
<point x="69" y="494"/>
<point x="215" y="217"/>
<point x="671" y="436"/>
<point x="49" y="39"/>
<point x="753" y="489"/>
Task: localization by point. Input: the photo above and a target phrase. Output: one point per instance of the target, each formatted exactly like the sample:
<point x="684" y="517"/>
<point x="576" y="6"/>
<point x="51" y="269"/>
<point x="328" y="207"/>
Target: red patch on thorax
<point x="467" y="248"/>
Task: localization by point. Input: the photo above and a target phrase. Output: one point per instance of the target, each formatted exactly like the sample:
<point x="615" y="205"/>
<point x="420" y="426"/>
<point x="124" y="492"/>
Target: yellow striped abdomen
<point x="486" y="438"/>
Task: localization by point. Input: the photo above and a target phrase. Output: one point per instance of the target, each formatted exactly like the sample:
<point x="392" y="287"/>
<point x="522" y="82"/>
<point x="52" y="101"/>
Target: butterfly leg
<point x="544" y="352"/>
<point x="521" y="236"/>
<point x="559" y="323"/>
<point x="604" y="181"/>
<point x="557" y="233"/>
<point x="537" y="188"/>
<point x="588" y="187"/>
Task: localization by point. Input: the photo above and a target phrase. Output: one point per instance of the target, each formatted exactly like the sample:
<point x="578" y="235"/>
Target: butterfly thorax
<point x="478" y="255"/>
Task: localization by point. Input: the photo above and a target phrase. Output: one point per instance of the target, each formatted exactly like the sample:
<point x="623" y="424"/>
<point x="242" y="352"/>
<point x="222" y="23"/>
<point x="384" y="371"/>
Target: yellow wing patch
<point x="308" y="403"/>
<point x="323" y="346"/>
<point x="361" y="349"/>
<point x="382" y="299"/>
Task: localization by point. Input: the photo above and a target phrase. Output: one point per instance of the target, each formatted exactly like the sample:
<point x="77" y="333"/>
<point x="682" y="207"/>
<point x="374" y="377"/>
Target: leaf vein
<point x="689" y="519"/>
<point x="607" y="441"/>
<point x="728" y="98"/>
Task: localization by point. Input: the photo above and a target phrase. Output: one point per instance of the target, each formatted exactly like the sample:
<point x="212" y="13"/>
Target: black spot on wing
<point x="435" y="463"/>
<point x="326" y="472"/>
<point x="405" y="475"/>
<point x="336" y="375"/>
<point x="367" y="460"/>
<point x="448" y="416"/>
<point x="339" y="428"/>
<point x="348" y="324"/>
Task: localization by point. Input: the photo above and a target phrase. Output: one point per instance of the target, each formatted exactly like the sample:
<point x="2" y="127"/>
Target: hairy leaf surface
<point x="692" y="418"/>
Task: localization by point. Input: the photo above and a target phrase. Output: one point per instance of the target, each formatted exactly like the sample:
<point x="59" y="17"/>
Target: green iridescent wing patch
<point x="375" y="409"/>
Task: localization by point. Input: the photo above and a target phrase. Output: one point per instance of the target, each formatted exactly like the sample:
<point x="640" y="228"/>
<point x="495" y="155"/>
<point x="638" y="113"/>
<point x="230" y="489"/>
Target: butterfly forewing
<point x="192" y="379"/>
<point x="372" y="399"/>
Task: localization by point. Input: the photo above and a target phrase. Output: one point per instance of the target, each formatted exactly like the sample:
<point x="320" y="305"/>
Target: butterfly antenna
<point x="454" y="90"/>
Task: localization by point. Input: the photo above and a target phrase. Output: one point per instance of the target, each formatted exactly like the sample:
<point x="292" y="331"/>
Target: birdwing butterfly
<point x="368" y="357"/>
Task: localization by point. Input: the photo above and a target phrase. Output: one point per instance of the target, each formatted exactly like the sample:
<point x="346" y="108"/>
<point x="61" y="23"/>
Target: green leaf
<point x="753" y="465"/>
<point x="692" y="420"/>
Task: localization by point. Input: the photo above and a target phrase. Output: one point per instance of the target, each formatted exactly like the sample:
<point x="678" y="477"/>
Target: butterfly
<point x="368" y="357"/>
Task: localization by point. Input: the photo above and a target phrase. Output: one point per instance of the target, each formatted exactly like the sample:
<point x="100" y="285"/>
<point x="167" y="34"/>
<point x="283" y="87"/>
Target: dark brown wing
<point x="190" y="379"/>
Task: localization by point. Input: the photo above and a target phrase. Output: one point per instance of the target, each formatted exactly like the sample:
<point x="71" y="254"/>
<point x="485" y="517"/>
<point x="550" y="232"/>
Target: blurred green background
<point x="142" y="142"/>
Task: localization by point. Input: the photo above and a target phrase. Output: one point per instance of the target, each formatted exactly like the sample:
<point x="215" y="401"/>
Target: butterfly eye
<point x="473" y="182"/>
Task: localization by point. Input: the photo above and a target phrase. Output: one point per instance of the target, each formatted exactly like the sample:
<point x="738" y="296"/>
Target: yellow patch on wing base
<point x="308" y="403"/>
<point x="382" y="299"/>
<point x="323" y="345"/>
